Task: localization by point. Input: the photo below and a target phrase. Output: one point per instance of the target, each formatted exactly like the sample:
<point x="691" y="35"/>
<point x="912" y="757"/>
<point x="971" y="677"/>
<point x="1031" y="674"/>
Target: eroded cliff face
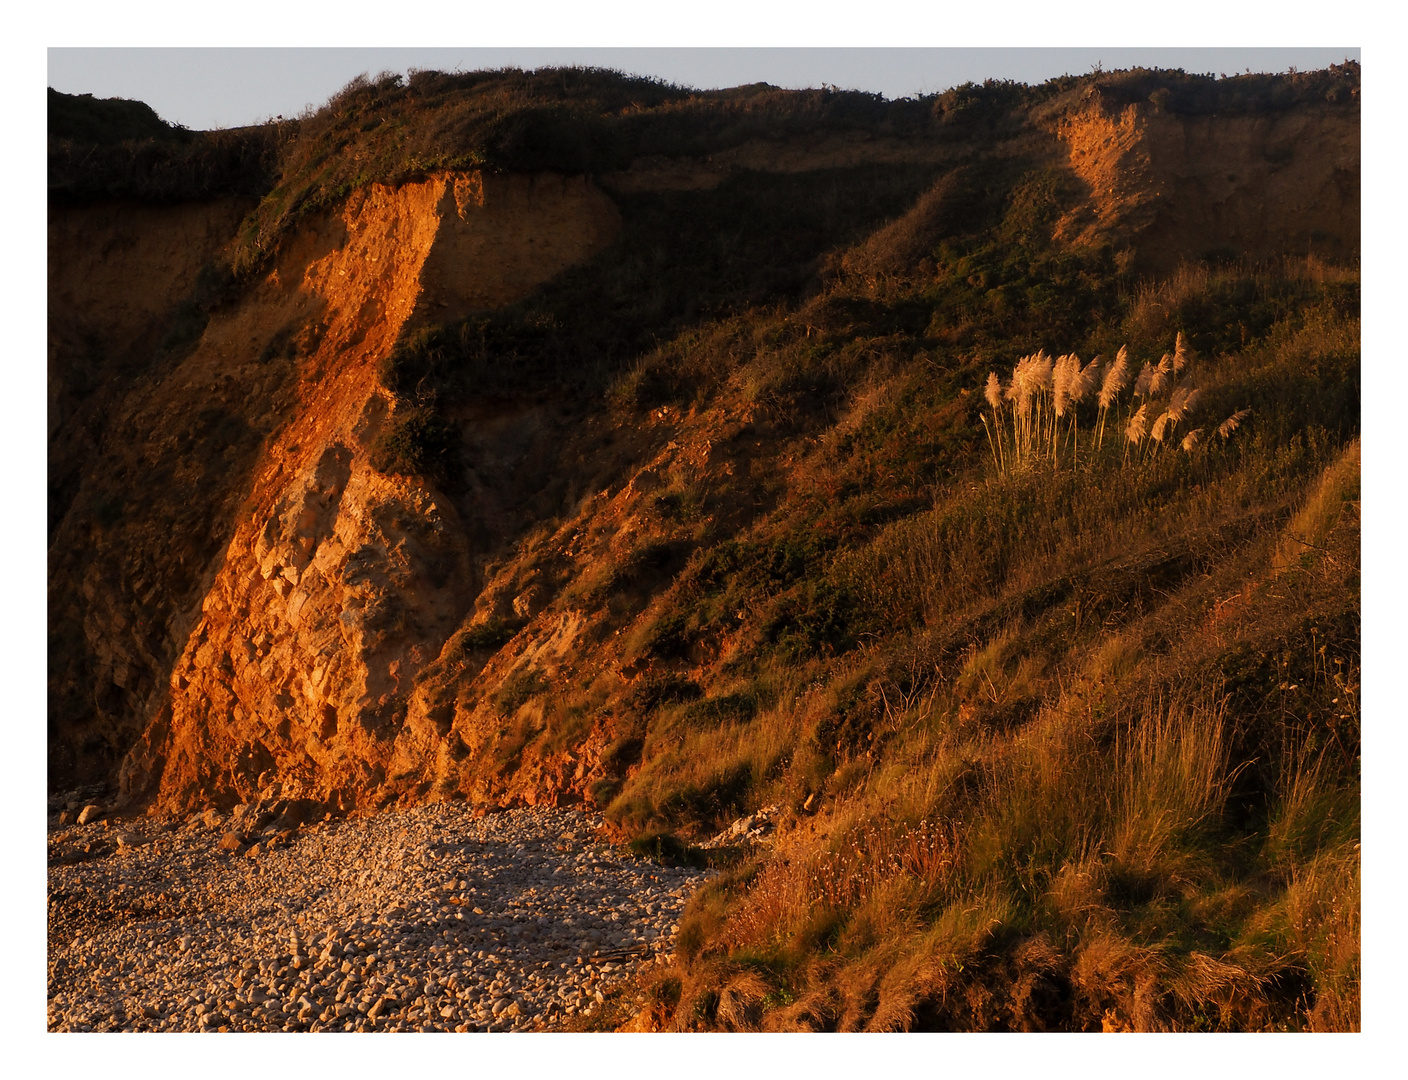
<point x="142" y="449"/>
<point x="264" y="607"/>
<point x="214" y="457"/>
<point x="1168" y="188"/>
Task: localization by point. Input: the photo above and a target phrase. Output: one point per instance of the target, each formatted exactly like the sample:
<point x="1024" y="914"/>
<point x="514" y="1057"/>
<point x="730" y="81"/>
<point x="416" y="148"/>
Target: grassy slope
<point x="1089" y="752"/>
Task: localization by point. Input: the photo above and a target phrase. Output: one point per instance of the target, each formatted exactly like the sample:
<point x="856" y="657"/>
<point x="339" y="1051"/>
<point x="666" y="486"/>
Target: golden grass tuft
<point x="1304" y="538"/>
<point x="1322" y="907"/>
<point x="740" y="1006"/>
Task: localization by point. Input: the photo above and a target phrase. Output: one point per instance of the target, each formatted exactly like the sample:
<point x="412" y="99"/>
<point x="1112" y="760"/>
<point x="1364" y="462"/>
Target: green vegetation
<point x="389" y="130"/>
<point x="415" y="442"/>
<point x="104" y="121"/>
<point x="1060" y="723"/>
<point x="114" y="148"/>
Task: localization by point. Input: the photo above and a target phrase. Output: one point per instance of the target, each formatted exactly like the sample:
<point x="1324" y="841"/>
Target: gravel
<point x="429" y="919"/>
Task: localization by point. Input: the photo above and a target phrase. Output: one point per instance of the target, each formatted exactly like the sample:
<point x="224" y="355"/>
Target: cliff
<point x="566" y="452"/>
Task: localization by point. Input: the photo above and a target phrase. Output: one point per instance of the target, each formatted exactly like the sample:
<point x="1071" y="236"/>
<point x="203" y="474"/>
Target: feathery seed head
<point x="1233" y="422"/>
<point x="1141" y="384"/>
<point x="1138" y="424"/>
<point x="1084" y="381"/>
<point x="1116" y="379"/>
<point x="1164" y="422"/>
<point x="993" y="391"/>
<point x="1158" y="380"/>
<point x="1041" y="372"/>
<point x="1020" y="389"/>
<point x="1180" y="353"/>
<point x="1191" y="440"/>
<point x="1166" y="364"/>
<point x="1177" y="405"/>
<point x="1066" y="369"/>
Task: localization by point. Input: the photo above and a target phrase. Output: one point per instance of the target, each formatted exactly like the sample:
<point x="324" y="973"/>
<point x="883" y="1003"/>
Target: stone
<point x="529" y="602"/>
<point x="231" y="841"/>
<point x="89" y="814"/>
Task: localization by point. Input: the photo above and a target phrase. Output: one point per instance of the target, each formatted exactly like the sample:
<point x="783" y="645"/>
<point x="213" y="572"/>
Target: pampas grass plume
<point x="1141" y="384"/>
<point x="1180" y="354"/>
<point x="1116" y="379"/>
<point x="1084" y="381"/>
<point x="1041" y="371"/>
<point x="1158" y="380"/>
<point x="1164" y="421"/>
<point x="1192" y="439"/>
<point x="1021" y="386"/>
<point x="993" y="392"/>
<point x="1065" y="371"/>
<point x="1232" y="423"/>
<point x="1138" y="424"/>
<point x="1177" y="402"/>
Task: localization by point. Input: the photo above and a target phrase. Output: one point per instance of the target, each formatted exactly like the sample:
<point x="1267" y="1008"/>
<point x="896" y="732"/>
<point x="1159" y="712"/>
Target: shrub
<point x="416" y="441"/>
<point x="667" y="849"/>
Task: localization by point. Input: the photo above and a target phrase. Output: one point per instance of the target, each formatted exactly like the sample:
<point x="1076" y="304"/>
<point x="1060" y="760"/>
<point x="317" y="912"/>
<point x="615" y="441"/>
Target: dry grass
<point x="1107" y="844"/>
<point x="1087" y="791"/>
<point x="1306" y="534"/>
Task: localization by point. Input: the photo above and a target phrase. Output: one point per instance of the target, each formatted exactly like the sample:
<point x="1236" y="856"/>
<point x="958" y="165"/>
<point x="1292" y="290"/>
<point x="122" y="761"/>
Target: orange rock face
<point x="336" y="582"/>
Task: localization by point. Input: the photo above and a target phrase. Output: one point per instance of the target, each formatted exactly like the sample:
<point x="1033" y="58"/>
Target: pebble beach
<point x="426" y="919"/>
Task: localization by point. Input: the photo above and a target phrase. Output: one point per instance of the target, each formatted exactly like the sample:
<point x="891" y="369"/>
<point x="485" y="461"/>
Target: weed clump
<point x="416" y="442"/>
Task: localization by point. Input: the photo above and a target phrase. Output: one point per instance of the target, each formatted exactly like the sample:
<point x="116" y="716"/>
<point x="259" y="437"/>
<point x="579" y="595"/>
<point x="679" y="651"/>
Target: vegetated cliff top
<point x="393" y="129"/>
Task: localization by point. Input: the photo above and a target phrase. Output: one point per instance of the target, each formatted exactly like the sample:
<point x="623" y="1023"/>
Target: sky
<point x="204" y="88"/>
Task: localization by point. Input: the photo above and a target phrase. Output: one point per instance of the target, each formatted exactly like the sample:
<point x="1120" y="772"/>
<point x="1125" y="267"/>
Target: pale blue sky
<point x="206" y="88"/>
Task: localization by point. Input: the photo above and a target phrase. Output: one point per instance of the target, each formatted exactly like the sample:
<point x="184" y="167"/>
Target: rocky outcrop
<point x="245" y="455"/>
